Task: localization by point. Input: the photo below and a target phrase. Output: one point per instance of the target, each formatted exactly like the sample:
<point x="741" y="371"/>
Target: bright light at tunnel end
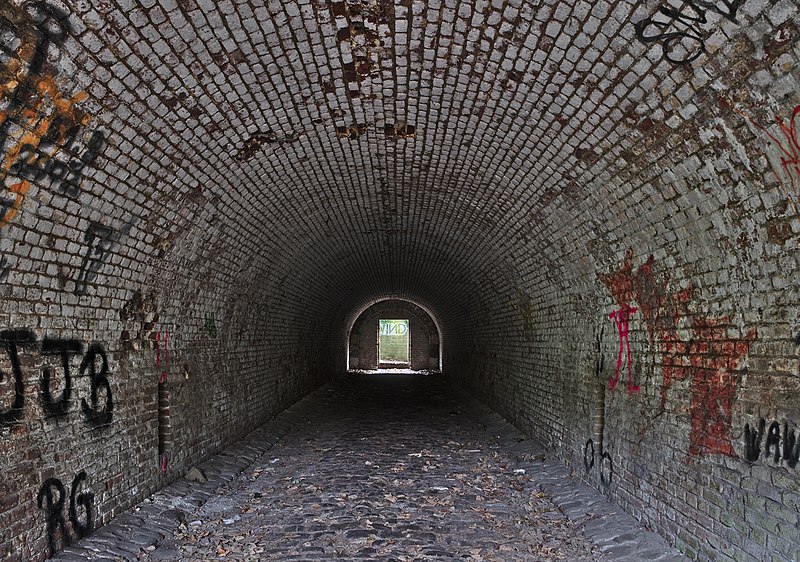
<point x="357" y="314"/>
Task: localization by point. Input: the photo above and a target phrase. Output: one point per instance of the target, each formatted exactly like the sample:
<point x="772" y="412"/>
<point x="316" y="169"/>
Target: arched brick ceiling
<point x="325" y="154"/>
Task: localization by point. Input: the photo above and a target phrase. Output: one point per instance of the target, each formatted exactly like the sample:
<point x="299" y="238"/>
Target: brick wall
<point x="423" y="334"/>
<point x="121" y="266"/>
<point x="656" y="344"/>
<point x="214" y="190"/>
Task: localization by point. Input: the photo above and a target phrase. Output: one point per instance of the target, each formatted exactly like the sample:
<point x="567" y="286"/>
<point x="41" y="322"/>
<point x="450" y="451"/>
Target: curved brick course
<point x="424" y="346"/>
<point x="598" y="201"/>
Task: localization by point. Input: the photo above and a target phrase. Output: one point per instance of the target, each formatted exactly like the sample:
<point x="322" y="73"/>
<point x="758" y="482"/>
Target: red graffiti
<point x="790" y="152"/>
<point x="706" y="355"/>
<point x="714" y="359"/>
<point x="621" y="318"/>
<point x="164" y="462"/>
<point x="162" y="378"/>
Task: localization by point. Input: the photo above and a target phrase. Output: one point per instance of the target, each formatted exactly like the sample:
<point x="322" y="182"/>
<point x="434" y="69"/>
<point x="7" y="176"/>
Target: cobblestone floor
<point x="388" y="467"/>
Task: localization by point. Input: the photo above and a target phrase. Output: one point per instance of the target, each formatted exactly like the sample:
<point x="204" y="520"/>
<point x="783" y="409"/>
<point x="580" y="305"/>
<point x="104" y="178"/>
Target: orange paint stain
<point x="50" y="116"/>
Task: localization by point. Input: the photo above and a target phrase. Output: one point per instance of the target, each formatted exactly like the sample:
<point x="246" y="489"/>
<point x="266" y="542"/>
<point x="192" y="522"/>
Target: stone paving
<point x="387" y="467"/>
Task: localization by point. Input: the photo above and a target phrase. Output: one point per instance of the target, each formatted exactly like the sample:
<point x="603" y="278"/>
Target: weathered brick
<point x="248" y="176"/>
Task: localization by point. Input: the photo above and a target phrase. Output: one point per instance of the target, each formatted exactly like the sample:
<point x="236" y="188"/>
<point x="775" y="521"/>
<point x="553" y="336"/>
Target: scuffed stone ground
<point x="386" y="467"/>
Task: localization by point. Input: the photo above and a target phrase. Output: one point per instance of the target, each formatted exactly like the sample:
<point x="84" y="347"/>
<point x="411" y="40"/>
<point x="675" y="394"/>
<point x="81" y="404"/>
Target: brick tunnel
<point x="586" y="211"/>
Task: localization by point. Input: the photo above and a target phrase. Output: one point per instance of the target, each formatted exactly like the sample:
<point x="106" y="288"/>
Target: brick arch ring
<point x="359" y="315"/>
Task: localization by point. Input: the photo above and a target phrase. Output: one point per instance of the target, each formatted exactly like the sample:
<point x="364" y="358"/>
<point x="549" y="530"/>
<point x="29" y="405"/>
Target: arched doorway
<point x="394" y="333"/>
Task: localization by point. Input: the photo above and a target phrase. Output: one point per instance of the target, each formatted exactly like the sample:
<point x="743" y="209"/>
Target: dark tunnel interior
<point x="587" y="210"/>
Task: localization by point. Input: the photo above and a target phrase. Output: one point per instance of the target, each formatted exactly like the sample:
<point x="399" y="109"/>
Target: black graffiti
<point x="55" y="511"/>
<point x="5" y="269"/>
<point x="606" y="465"/>
<point x="52" y="497"/>
<point x="688" y="37"/>
<point x="752" y="441"/>
<point x="600" y="363"/>
<point x="789" y="451"/>
<point x="12" y="340"/>
<point x="797" y="342"/>
<point x="34" y="163"/>
<point x="773" y="441"/>
<point x="680" y="31"/>
<point x="69" y="175"/>
<point x="85" y="500"/>
<point x="52" y="26"/>
<point x="95" y="415"/>
<point x="44" y="25"/>
<point x="35" y="31"/>
<point x="65" y="349"/>
<point x="99" y="239"/>
<point x="728" y="11"/>
<point x="6" y="199"/>
<point x="588" y="455"/>
<point x="606" y="469"/>
<point x="791" y="446"/>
